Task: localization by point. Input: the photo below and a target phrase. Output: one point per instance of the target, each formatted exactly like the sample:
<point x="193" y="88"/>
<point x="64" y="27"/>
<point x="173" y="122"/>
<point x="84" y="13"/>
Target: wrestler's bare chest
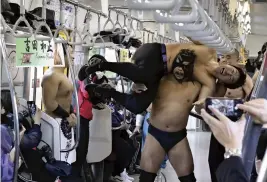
<point x="65" y="88"/>
<point x="171" y="107"/>
<point x="235" y="93"/>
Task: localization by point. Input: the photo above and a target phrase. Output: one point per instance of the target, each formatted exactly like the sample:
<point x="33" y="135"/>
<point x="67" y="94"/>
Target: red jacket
<point x="84" y="103"/>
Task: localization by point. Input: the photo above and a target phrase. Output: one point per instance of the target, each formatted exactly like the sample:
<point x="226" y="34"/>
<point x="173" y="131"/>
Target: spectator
<point x="8" y="154"/>
<point x="86" y="103"/>
<point x="230" y="135"/>
<point x="33" y="134"/>
<point x="29" y="138"/>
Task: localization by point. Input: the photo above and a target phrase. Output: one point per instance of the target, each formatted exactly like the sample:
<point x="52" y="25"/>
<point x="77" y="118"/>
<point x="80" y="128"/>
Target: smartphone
<point x="31" y="108"/>
<point x="225" y="106"/>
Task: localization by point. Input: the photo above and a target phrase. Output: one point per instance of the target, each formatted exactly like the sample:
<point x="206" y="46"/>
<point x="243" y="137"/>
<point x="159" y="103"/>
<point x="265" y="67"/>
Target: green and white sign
<point x="33" y="53"/>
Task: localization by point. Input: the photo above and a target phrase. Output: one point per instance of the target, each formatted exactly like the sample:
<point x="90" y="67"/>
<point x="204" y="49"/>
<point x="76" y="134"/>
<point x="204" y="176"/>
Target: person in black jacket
<point x="230" y="135"/>
<point x="33" y="134"/>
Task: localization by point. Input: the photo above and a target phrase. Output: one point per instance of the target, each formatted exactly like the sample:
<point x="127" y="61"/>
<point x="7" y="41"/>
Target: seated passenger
<point x="30" y="138"/>
<point x="187" y="62"/>
<point x="7" y="154"/>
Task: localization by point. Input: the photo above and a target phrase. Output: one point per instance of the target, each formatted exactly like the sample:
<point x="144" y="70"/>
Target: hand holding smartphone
<point x="225" y="106"/>
<point x="31" y="107"/>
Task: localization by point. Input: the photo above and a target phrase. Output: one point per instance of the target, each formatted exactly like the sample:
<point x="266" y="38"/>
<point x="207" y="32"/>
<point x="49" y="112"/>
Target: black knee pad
<point x="188" y="178"/>
<point x="147" y="176"/>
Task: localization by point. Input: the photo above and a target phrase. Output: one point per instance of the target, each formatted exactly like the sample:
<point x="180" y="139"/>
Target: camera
<point x="47" y="153"/>
<point x="225" y="106"/>
<point x="24" y="115"/>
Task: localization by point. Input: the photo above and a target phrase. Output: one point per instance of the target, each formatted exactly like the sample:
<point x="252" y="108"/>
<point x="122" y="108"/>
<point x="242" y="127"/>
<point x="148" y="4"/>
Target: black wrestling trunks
<point x="167" y="139"/>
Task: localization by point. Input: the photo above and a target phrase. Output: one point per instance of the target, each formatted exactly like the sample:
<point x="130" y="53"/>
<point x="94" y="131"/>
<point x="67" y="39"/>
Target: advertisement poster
<point x="124" y="55"/>
<point x="33" y="53"/>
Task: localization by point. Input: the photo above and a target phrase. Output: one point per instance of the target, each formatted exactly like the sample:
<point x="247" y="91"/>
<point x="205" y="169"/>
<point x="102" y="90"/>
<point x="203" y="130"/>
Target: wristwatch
<point x="232" y="152"/>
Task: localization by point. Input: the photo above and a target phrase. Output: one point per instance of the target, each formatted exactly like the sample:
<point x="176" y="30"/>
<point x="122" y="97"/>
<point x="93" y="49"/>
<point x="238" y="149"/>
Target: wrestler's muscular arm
<point x="195" y="42"/>
<point x="208" y="87"/>
<point x="206" y="61"/>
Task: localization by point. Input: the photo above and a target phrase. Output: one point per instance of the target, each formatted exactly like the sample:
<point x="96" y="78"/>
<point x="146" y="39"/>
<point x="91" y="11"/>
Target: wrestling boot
<point x="103" y="91"/>
<point x="95" y="63"/>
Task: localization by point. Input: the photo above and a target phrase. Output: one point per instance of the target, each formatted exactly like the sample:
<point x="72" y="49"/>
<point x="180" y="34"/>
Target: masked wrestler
<point x="187" y="62"/>
<point x="167" y="130"/>
<point x="57" y="92"/>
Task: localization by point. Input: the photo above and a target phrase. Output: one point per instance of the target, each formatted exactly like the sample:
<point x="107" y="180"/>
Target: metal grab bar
<point x="195" y="26"/>
<point x="208" y="38"/>
<point x="253" y="130"/>
<point x="138" y="29"/>
<point x="22" y="19"/>
<point x="102" y="44"/>
<point x="155" y="36"/>
<point x="154" y="5"/>
<point x="87" y="34"/>
<point x="180" y="17"/>
<point x="117" y="23"/>
<point x="109" y="20"/>
<point x="61" y="27"/>
<point x="123" y="90"/>
<point x="75" y="31"/>
<point x="124" y="27"/>
<point x="148" y="38"/>
<point x="4" y="26"/>
<point x="86" y="7"/>
<point x="43" y="24"/>
<point x="263" y="170"/>
<point x="77" y="140"/>
<point x="205" y="32"/>
<point x="15" y="109"/>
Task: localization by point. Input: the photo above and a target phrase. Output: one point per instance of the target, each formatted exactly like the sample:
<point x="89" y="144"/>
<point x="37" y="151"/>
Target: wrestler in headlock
<point x="216" y="151"/>
<point x="172" y="96"/>
<point x="187" y="62"/>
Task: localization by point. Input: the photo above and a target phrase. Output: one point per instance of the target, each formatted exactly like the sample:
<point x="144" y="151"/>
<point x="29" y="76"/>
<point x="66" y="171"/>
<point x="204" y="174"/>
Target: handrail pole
<point x="77" y="140"/>
<point x="15" y="111"/>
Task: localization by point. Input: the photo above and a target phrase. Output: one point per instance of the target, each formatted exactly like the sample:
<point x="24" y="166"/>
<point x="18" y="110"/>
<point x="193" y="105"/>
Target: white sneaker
<point x="124" y="173"/>
<point x="158" y="177"/>
<point x="122" y="179"/>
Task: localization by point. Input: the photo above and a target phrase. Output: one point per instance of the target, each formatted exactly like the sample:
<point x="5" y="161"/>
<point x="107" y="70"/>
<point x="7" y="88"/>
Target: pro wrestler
<point x="216" y="151"/>
<point x="167" y="130"/>
<point x="57" y="92"/>
<point x="187" y="62"/>
<point x="243" y="91"/>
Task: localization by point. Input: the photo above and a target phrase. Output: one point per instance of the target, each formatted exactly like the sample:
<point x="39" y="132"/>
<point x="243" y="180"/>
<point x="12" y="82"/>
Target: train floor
<point x="199" y="143"/>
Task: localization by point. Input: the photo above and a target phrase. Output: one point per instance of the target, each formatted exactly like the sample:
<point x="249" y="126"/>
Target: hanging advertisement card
<point x="124" y="55"/>
<point x="33" y="53"/>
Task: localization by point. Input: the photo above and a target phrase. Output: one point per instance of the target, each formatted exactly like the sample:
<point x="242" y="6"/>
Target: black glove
<point x="105" y="90"/>
<point x="99" y="93"/>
